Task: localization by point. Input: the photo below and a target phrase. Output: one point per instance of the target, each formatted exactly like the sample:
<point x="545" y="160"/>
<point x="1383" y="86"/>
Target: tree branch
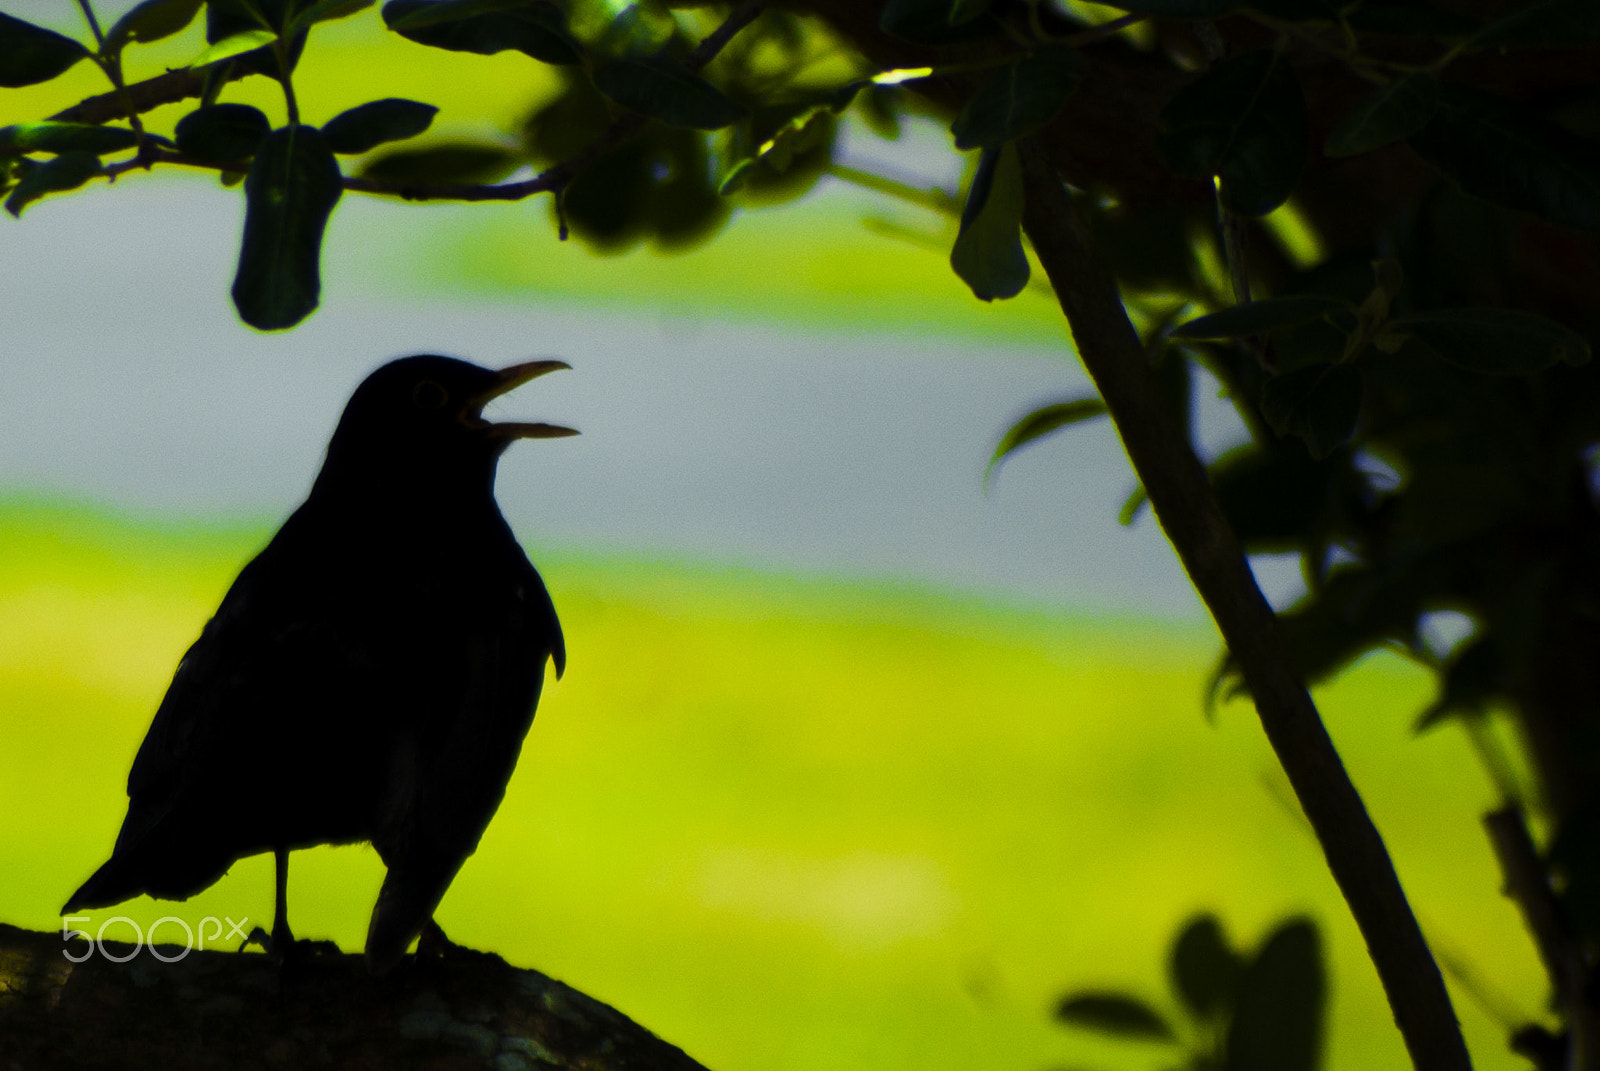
<point x="1527" y="884"/>
<point x="1194" y="523"/>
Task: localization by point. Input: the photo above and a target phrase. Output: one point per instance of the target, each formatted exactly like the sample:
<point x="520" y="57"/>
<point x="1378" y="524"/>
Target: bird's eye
<point x="429" y="395"/>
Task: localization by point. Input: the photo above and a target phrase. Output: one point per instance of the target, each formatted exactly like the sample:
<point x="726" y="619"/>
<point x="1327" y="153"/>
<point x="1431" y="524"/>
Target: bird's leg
<point x="433" y="944"/>
<point x="282" y="939"/>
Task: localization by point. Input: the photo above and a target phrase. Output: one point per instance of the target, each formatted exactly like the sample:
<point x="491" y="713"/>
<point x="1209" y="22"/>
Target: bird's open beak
<point x="507" y="380"/>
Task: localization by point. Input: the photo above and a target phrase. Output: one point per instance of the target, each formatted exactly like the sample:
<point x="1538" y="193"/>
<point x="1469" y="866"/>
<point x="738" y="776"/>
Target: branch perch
<point x="1194" y="523"/>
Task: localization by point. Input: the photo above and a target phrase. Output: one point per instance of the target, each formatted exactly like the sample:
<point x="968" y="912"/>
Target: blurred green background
<point x="796" y="804"/>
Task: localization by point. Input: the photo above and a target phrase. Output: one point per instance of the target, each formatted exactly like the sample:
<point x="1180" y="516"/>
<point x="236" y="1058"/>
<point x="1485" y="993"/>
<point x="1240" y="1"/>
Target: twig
<point x="1194" y="522"/>
<point x="1529" y="887"/>
<point x="935" y="198"/>
<point x="140" y="97"/>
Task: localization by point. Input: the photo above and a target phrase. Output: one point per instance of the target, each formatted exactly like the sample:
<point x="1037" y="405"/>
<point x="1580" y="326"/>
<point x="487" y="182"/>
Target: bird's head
<point x="424" y="414"/>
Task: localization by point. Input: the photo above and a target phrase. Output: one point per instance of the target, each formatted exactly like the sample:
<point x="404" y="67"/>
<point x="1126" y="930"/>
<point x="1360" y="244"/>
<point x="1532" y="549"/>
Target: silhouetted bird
<point x="369" y="676"/>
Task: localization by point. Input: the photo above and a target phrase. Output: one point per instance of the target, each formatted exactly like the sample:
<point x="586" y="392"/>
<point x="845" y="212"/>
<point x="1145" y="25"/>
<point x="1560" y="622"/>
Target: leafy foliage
<point x="1260" y="1012"/>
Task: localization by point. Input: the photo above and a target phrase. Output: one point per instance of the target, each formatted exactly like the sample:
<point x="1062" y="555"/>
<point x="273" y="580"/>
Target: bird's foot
<point x="286" y="949"/>
<point x="433" y="944"/>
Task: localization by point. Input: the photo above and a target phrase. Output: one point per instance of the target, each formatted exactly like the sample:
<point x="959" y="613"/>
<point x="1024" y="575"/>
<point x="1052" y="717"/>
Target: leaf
<point x="363" y="128"/>
<point x="988" y="254"/>
<point x="1244" y="121"/>
<point x="31" y="54"/>
<point x="48" y="136"/>
<point x="1409" y="18"/>
<point x="1556" y="23"/>
<point x="1261" y="317"/>
<point x="1319" y="405"/>
<point x="809" y="129"/>
<point x="1277" y="1022"/>
<point x="666" y="90"/>
<point x="1179" y="9"/>
<point x="1495" y="342"/>
<point x="151" y="21"/>
<point x="234" y="45"/>
<point x="222" y="131"/>
<point x="447" y="164"/>
<point x="1042" y="422"/>
<point x="1205" y="968"/>
<point x="65" y="172"/>
<point x="1116" y="1014"/>
<point x="1503" y="154"/>
<point x="486" y="27"/>
<point x="326" y="11"/>
<point x="1018" y="99"/>
<point x="1474" y="678"/>
<point x="1394" y="111"/>
<point x="289" y="193"/>
<point x="938" y="22"/>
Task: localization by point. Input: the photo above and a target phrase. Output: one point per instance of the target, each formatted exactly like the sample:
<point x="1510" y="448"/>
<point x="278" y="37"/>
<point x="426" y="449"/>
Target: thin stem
<point x="94" y="24"/>
<point x="935" y="198"/>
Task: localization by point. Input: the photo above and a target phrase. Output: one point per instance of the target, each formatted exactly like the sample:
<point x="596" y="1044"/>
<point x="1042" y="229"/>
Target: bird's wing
<point x="455" y="776"/>
<point x="264" y="704"/>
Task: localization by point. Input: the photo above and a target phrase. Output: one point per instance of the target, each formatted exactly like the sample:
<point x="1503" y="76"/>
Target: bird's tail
<point x="409" y="896"/>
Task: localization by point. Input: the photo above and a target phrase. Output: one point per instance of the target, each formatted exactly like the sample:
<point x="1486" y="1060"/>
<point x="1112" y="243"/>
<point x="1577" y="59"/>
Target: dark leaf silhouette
<point x="290" y="192"/>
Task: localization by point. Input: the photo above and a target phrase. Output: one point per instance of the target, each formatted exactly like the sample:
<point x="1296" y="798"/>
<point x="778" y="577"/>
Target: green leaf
<point x="1554" y="23"/>
<point x="808" y="129"/>
<point x="31" y="54"/>
<point x="1503" y="154"/>
<point x="326" y="11"/>
<point x="65" y="172"/>
<point x="1179" y="9"/>
<point x="668" y="91"/>
<point x="1205" y="968"/>
<point x="1018" y="99"/>
<point x="1042" y="422"/>
<point x="290" y="191"/>
<point x="447" y="164"/>
<point x="962" y="11"/>
<point x="48" y="136"/>
<point x="1496" y="342"/>
<point x="1244" y="122"/>
<point x="151" y="21"/>
<point x="486" y="27"/>
<point x="222" y="131"/>
<point x="1394" y="111"/>
<point x="1409" y="18"/>
<point x="363" y="128"/>
<point x="1319" y="405"/>
<point x="1277" y="1023"/>
<point x="234" y="45"/>
<point x="938" y="22"/>
<point x="988" y="254"/>
<point x="1117" y="1014"/>
<point x="1262" y="317"/>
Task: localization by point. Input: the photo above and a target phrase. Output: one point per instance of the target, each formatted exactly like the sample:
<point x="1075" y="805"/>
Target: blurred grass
<point x="788" y="822"/>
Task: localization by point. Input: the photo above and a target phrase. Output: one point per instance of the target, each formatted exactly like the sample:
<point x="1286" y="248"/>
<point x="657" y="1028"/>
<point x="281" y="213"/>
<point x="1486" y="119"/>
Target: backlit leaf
<point x="1117" y="1014"/>
<point x="988" y="254"/>
<point x="65" y="172"/>
<point x="49" y="136"/>
<point x="1319" y="405"/>
<point x="1392" y="112"/>
<point x="367" y="126"/>
<point x="1502" y="154"/>
<point x="1244" y="122"/>
<point x="222" y="131"/>
<point x="290" y="191"/>
<point x="31" y="54"/>
<point x="485" y="27"/>
<point x="668" y="91"/>
<point x="1501" y="342"/>
<point x="446" y="164"/>
<point x="1261" y="317"/>
<point x="1205" y="968"/>
<point x="1042" y="422"/>
<point x="326" y="11"/>
<point x="1277" y="1022"/>
<point x="1018" y="99"/>
<point x="151" y="20"/>
<point x="235" y="45"/>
